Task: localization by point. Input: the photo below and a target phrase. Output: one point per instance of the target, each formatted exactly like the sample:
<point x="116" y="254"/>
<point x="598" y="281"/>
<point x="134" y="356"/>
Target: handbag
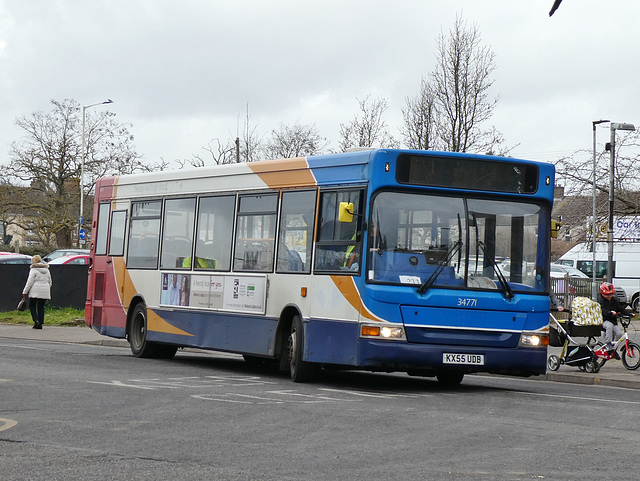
<point x="22" y="305"/>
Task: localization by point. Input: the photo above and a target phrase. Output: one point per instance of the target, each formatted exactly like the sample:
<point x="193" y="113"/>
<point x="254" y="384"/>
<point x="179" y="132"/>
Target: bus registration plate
<point x="474" y="359"/>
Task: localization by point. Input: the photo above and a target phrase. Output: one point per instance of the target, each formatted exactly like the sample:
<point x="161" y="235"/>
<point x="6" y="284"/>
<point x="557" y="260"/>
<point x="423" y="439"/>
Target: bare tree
<point x="367" y="129"/>
<point x="250" y="142"/>
<point x="576" y="173"/>
<point x="294" y="141"/>
<point x="460" y="86"/>
<point x="218" y="153"/>
<point x="420" y="119"/>
<point x="7" y="210"/>
<point x="49" y="159"/>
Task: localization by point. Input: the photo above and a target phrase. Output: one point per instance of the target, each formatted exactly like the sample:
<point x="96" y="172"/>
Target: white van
<point x="626" y="265"/>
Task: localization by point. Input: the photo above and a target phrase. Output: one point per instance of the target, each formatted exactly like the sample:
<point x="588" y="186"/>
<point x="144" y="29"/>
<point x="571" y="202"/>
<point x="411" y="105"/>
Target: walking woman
<point x="38" y="288"/>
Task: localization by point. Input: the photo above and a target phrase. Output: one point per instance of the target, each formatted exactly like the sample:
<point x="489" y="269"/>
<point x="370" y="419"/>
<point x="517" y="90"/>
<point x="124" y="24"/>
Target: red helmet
<point x="607" y="289"/>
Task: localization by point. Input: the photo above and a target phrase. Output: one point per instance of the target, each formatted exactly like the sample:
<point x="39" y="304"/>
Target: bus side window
<point x="144" y="234"/>
<point x="339" y="243"/>
<point x="118" y="226"/>
<point x="103" y="229"/>
<point x="215" y="232"/>
<point x="177" y="238"/>
<point x="255" y="233"/>
<point x="296" y="231"/>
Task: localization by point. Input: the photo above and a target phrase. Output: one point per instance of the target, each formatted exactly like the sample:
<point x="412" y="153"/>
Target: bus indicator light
<point x="370" y="331"/>
<point x="303" y="291"/>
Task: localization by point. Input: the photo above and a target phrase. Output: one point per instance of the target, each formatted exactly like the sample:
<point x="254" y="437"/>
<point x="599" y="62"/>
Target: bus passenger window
<point x="118" y="226"/>
<point x="144" y="234"/>
<point x="177" y="239"/>
<point x="214" y="232"/>
<point x="296" y="231"/>
<point x="255" y="233"/>
<point x="103" y="229"/>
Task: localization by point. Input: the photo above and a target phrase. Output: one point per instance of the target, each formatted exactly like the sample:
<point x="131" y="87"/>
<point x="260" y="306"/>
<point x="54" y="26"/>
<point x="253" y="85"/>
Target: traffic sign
<point x="82" y="234"/>
<point x="80" y="220"/>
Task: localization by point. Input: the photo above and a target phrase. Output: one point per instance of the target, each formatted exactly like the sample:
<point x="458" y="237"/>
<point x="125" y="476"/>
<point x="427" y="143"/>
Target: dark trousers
<point x="36" y="306"/>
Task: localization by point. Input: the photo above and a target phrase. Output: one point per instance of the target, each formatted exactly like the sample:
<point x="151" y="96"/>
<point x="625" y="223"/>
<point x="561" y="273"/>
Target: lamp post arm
<point x="82" y="161"/>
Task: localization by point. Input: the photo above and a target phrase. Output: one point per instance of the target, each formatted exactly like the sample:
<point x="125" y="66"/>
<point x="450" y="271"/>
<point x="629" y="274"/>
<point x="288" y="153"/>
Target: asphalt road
<point x="87" y="412"/>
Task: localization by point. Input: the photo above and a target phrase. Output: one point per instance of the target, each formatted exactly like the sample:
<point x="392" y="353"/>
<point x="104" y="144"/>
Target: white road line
<point x="577" y="398"/>
<point x="7" y="424"/>
<point x="373" y="394"/>
<point x="121" y="384"/>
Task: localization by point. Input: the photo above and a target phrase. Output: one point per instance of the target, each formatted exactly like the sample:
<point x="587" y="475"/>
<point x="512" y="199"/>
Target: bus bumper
<point x="340" y="344"/>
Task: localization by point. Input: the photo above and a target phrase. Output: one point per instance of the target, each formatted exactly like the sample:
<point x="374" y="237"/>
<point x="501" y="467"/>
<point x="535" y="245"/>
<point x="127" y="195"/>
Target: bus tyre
<point x="138" y="342"/>
<point x="449" y="378"/>
<point x="301" y="371"/>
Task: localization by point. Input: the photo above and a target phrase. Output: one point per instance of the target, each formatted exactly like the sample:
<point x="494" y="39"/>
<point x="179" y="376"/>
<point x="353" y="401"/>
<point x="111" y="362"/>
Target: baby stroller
<point x="586" y="321"/>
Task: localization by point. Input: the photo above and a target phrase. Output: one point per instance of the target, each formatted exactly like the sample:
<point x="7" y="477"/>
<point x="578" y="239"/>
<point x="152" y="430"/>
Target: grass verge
<point x="53" y="316"/>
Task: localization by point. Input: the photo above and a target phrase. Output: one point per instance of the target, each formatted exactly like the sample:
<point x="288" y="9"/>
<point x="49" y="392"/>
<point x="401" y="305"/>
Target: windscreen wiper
<point x="508" y="293"/>
<point x="441" y="265"/>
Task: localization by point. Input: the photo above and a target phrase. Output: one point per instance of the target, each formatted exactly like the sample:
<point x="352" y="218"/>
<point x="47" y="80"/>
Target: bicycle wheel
<point x="631" y="356"/>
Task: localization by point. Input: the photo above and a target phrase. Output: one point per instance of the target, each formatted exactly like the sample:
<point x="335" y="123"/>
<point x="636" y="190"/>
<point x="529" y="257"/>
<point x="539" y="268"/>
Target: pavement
<point x="612" y="373"/>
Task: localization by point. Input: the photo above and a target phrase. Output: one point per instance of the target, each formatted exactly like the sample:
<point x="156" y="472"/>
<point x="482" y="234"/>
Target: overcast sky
<point x="182" y="73"/>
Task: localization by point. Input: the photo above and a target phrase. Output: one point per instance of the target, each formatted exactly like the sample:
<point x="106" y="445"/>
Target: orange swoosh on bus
<point x="347" y="286"/>
<point x="284" y="173"/>
<point x="158" y="324"/>
<point x="125" y="286"/>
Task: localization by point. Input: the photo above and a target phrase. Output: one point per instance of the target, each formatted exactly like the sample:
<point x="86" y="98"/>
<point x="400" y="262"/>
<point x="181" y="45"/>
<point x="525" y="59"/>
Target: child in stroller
<point x="585" y="322"/>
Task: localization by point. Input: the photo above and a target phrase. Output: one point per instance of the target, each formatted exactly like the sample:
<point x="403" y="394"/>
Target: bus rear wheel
<point x="300" y="371"/>
<point x="138" y="342"/>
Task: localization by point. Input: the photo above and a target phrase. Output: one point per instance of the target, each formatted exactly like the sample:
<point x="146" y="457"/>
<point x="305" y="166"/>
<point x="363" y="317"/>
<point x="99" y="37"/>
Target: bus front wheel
<point x="301" y="371"/>
<point x="450" y="378"/>
<point x="138" y="342"/>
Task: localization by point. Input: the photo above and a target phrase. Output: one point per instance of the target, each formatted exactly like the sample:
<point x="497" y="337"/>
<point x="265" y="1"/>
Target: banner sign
<point x="232" y="293"/>
<point x="625" y="228"/>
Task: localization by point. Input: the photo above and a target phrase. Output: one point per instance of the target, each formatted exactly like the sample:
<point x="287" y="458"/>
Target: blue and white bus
<point x="381" y="260"/>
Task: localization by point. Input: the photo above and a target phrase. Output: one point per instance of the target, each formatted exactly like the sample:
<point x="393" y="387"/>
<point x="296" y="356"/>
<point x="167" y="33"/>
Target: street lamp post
<point x="594" y="289"/>
<point x="614" y="126"/>
<point x="84" y="154"/>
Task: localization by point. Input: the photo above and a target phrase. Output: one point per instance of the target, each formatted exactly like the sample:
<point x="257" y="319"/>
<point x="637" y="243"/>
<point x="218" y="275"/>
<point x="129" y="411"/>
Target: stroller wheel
<point x="553" y="363"/>
<point x="591" y="367"/>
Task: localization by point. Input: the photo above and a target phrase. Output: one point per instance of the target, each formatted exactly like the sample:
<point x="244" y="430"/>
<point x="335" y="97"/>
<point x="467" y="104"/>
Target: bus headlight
<point x="530" y="339"/>
<point x="382" y="332"/>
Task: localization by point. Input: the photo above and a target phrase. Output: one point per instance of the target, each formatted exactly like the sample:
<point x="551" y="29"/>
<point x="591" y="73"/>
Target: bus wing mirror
<point x="345" y="213"/>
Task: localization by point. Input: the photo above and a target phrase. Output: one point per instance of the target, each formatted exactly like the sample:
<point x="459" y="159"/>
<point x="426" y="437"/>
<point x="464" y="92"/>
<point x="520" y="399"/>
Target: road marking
<point x="120" y="384"/>
<point x="188" y="382"/>
<point x="229" y="383"/>
<point x="373" y="394"/>
<point x="578" y="398"/>
<point x="7" y="424"/>
<point x="25" y="347"/>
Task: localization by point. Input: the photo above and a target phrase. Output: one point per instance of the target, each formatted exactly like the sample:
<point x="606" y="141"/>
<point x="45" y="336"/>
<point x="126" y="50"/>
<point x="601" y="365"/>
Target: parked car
<point x="15" y="259"/>
<point x="559" y="271"/>
<point x="64" y="252"/>
<point x="77" y="259"/>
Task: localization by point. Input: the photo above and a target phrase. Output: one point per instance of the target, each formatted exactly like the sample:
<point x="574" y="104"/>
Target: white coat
<point x="39" y="282"/>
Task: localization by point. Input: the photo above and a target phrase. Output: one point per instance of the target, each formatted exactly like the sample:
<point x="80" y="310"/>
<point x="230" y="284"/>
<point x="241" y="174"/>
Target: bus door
<point x="108" y="247"/>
